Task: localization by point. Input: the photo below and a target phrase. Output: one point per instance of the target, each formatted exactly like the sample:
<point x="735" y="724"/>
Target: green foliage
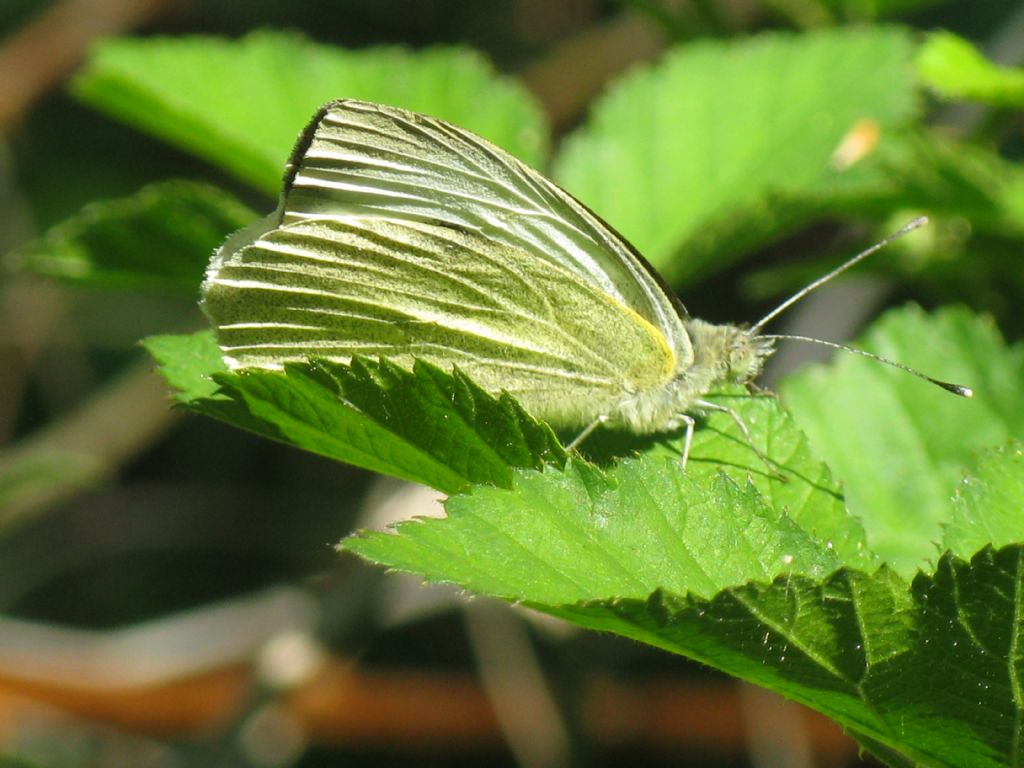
<point x="956" y="70"/>
<point x="159" y="239"/>
<point x="586" y="534"/>
<point x="725" y="562"/>
<point x="859" y="10"/>
<point x="705" y="155"/>
<point x="246" y="116"/>
<point x="726" y="565"/>
<point x="188" y="364"/>
<point x="819" y="123"/>
<point x="920" y="671"/>
<point x="425" y="425"/>
<point x="899" y="445"/>
<point x="986" y="507"/>
<point x="884" y="596"/>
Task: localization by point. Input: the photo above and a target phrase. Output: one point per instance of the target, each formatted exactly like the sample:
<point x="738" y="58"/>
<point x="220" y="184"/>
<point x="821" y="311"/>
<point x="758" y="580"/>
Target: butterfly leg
<point x="690" y="423"/>
<point x="586" y="432"/>
<point x="746" y="435"/>
<point x="756" y="389"/>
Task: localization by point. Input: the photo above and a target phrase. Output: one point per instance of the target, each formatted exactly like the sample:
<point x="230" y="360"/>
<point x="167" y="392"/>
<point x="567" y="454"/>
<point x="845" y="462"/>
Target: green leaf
<point x="858" y="10"/>
<point x="721" y="145"/>
<point x="726" y="564"/>
<point x="954" y="179"/>
<point x="381" y="417"/>
<point x="926" y="670"/>
<point x="562" y="537"/>
<point x="34" y="477"/>
<point x="191" y="365"/>
<point x="364" y="413"/>
<point x="188" y="364"/>
<point x="241" y="104"/>
<point x="970" y="251"/>
<point x="803" y="485"/>
<point x="901" y="446"/>
<point x="956" y="70"/>
<point x="681" y="561"/>
<point x="987" y="506"/>
<point x="422" y="425"/>
<point x="158" y="239"/>
<point x="643" y="524"/>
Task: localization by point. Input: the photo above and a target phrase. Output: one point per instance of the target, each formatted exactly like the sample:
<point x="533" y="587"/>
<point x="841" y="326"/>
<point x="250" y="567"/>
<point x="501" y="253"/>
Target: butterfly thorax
<point x="721" y="354"/>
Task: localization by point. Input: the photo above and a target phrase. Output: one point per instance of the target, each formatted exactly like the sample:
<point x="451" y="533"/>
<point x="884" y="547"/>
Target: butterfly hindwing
<point x="338" y="287"/>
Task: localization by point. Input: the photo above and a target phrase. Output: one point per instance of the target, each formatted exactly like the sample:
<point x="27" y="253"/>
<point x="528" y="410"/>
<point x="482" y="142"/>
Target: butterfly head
<point x="725" y="353"/>
<point x="745" y="353"/>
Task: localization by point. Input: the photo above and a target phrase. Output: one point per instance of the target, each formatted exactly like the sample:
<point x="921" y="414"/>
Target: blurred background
<point x="178" y="600"/>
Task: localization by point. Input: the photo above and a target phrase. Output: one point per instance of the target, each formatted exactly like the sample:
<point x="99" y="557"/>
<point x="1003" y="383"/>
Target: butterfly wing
<point x="336" y="286"/>
<point x="402" y="236"/>
<point x="363" y="159"/>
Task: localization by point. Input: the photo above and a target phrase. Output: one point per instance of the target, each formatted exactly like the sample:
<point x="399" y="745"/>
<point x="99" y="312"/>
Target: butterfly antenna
<point x="956" y="389"/>
<point x="905" y="229"/>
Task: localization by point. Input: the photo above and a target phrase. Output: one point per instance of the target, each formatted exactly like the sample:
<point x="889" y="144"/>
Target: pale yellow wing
<point x="340" y="286"/>
<point x="362" y="159"/>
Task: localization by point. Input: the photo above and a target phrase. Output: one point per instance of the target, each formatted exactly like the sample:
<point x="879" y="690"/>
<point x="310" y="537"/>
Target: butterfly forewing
<point x="362" y="159"/>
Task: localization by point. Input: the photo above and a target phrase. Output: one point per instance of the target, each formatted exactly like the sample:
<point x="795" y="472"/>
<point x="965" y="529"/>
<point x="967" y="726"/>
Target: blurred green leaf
<point x="956" y="70"/>
<point x="929" y="172"/>
<point x="899" y="445"/>
<point x="859" y="10"/>
<point x="35" y="477"/>
<point x="159" y="239"/>
<point x="987" y="506"/>
<point x="721" y="145"/>
<point x="422" y="425"/>
<point x="969" y="252"/>
<point x="241" y="104"/>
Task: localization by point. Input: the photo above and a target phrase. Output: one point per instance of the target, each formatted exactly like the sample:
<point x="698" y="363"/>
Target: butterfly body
<point x="401" y="236"/>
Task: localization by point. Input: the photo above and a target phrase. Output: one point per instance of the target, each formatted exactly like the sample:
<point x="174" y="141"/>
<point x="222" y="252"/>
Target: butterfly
<point x="401" y="236"/>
